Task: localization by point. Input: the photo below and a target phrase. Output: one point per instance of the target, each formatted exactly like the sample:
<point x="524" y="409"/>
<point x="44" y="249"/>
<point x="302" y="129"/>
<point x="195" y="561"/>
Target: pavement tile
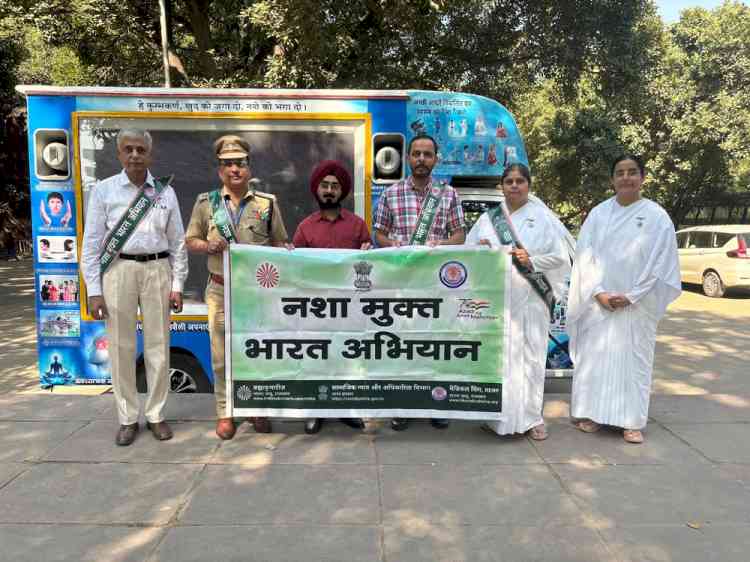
<point x="737" y="473"/>
<point x="190" y="407"/>
<point x="462" y="443"/>
<point x="700" y="409"/>
<point x="82" y="543"/>
<point x="335" y="444"/>
<point x="192" y="442"/>
<point x="724" y="442"/>
<point x="21" y="441"/>
<point x="179" y="407"/>
<point x="566" y="444"/>
<point x="474" y="495"/>
<point x="451" y="542"/>
<point x="653" y="495"/>
<point x="96" y="493"/>
<point x="8" y="470"/>
<point x="269" y="544"/>
<point x="662" y="543"/>
<point x="283" y="494"/>
<point x="48" y="406"/>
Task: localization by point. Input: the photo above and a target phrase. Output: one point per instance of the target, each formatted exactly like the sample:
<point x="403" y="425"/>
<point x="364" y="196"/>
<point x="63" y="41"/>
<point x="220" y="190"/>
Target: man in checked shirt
<point x="398" y="210"/>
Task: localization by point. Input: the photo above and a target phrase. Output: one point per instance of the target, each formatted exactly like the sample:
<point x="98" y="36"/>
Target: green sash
<point x="129" y="221"/>
<point x="501" y="223"/>
<point x="427" y="214"/>
<point x="220" y="215"/>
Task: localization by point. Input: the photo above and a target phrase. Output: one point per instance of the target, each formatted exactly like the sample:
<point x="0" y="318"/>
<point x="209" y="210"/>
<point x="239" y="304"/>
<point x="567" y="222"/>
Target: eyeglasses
<point x="239" y="162"/>
<point x="329" y="185"/>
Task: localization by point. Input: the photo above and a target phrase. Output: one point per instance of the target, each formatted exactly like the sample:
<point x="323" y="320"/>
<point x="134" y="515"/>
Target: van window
<point x="722" y="238"/>
<point x="682" y="239"/>
<point x="700" y="239"/>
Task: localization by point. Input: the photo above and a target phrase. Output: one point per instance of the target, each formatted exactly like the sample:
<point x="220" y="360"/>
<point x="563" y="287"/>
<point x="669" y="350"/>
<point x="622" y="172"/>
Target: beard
<point x="328" y="203"/>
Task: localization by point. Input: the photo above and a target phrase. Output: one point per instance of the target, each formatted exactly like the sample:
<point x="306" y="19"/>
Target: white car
<point x="716" y="256"/>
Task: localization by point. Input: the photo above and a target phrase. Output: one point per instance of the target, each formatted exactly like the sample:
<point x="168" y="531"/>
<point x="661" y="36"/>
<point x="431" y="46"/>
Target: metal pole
<point x="164" y="44"/>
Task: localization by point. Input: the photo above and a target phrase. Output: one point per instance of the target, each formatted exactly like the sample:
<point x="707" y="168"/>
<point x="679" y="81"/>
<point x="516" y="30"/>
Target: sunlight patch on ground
<point x="677" y="388"/>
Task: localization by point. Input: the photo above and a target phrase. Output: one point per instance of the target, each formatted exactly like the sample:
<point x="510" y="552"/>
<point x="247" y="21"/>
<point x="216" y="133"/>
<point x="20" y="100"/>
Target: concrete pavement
<point x="68" y="493"/>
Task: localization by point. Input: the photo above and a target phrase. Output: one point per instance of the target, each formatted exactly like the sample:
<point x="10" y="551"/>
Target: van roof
<point x="727" y="228"/>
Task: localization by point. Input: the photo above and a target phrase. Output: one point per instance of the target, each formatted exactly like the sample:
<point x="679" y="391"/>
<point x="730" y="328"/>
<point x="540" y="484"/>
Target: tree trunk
<point x="200" y="24"/>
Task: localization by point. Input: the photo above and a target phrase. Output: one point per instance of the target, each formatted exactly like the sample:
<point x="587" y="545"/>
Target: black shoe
<point x="126" y="434"/>
<point x="313" y="425"/>
<point x="400" y="424"/>
<point x="439" y="423"/>
<point x="161" y="430"/>
<point x="354" y="423"/>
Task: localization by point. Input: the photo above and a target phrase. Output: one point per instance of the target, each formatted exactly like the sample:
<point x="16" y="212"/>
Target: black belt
<point x="145" y="257"/>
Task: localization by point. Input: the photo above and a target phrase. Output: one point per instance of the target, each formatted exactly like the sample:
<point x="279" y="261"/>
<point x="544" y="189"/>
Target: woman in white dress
<point x="546" y="245"/>
<point x="625" y="275"/>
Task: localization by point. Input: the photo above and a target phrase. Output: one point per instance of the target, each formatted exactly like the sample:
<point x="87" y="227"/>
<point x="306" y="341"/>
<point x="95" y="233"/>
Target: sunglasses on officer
<point x="229" y="162"/>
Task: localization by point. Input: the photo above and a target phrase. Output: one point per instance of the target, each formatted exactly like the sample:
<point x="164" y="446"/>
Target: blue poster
<point x="58" y="365"/>
<point x="94" y="355"/>
<point x="475" y="135"/>
<point x="54" y="211"/>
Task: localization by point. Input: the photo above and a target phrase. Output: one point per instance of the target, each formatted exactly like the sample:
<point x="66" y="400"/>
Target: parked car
<point x="716" y="256"/>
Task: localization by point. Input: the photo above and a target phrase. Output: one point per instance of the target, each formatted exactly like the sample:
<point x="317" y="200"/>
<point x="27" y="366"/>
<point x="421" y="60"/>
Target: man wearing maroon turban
<point x="331" y="227"/>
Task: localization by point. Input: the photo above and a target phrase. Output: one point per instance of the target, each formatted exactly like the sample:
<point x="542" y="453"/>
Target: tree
<point x="685" y="110"/>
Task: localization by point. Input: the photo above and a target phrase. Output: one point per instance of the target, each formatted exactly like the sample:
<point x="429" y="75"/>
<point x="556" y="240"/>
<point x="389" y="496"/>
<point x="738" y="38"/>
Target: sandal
<point x="588" y="426"/>
<point x="538" y="432"/>
<point x="632" y="436"/>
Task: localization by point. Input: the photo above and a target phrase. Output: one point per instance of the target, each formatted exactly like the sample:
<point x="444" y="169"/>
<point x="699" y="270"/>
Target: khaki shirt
<point x="253" y="227"/>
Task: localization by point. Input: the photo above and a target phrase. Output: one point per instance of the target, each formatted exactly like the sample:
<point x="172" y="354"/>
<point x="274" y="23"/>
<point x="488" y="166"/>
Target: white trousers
<point x="125" y="285"/>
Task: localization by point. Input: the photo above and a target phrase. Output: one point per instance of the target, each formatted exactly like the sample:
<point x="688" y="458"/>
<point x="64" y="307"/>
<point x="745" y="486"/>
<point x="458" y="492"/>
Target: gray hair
<point x="134" y="134"/>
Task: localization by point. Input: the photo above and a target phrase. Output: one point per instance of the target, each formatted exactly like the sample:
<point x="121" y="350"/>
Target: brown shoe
<point x="225" y="428"/>
<point x="126" y="434"/>
<point x="262" y="425"/>
<point x="160" y="430"/>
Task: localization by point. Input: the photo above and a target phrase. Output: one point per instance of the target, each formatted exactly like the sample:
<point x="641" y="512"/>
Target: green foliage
<point x="686" y="110"/>
<point x="44" y="64"/>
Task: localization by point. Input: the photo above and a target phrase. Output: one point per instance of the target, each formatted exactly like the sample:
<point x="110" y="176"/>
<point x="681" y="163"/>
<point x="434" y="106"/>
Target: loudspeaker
<point x="51" y="154"/>
<point x="388" y="157"/>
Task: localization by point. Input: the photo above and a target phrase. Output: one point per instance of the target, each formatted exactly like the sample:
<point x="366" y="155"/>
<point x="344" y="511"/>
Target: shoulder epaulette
<point x="270" y="196"/>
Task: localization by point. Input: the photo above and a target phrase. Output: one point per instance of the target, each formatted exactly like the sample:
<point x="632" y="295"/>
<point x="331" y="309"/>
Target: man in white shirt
<point x="148" y="268"/>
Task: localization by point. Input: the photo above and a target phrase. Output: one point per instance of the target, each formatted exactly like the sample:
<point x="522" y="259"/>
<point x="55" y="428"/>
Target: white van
<point x="716" y="256"/>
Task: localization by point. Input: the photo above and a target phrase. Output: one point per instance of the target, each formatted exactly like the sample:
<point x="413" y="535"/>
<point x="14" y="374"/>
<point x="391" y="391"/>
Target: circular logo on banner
<point x="244" y="392"/>
<point x="439" y="393"/>
<point x="267" y="275"/>
<point x="453" y="274"/>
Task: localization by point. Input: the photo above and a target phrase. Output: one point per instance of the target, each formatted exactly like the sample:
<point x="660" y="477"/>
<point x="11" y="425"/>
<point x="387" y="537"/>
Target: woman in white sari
<point x="625" y="275"/>
<point x="545" y="248"/>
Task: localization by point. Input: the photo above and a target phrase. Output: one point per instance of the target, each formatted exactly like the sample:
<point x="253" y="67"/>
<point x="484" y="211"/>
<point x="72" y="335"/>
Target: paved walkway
<point x="68" y="493"/>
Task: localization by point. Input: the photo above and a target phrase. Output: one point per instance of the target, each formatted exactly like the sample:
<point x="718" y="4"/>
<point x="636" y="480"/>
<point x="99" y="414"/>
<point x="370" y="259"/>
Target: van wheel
<point x="712" y="285"/>
<point x="185" y="375"/>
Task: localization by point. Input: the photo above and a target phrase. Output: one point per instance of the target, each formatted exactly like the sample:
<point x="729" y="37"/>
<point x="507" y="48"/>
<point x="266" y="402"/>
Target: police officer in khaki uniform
<point x="255" y="219"/>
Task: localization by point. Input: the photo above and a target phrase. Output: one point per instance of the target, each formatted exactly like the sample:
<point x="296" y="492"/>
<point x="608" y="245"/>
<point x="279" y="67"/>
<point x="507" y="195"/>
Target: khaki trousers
<point x="215" y="303"/>
<point x="125" y="285"/>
